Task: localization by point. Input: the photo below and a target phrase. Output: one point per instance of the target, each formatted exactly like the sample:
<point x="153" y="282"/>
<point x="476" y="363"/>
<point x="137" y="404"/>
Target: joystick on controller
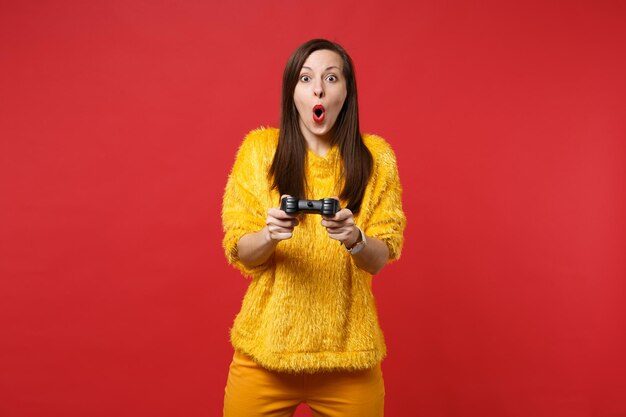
<point x="325" y="206"/>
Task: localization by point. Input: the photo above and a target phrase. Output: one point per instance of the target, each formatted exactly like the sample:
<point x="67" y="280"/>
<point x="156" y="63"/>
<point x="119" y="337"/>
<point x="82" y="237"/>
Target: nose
<point x="318" y="90"/>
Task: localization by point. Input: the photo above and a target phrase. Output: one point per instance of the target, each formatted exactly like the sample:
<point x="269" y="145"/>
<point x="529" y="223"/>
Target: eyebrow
<point x="311" y="69"/>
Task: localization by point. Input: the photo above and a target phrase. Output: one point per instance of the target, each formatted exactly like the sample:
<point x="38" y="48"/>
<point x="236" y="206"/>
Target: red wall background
<point x="119" y="122"/>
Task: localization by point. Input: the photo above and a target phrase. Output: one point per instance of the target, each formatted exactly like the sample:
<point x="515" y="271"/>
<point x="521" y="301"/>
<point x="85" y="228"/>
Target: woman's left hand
<point x="341" y="227"/>
<point x="373" y="257"/>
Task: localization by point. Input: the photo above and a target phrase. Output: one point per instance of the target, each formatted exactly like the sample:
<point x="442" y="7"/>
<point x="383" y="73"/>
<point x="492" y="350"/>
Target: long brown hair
<point x="287" y="170"/>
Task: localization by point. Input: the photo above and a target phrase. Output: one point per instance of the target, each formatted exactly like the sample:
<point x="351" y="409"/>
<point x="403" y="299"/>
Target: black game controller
<point x="325" y="206"/>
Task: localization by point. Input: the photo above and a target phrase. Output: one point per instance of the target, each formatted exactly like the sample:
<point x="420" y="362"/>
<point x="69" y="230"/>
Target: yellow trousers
<point x="253" y="391"/>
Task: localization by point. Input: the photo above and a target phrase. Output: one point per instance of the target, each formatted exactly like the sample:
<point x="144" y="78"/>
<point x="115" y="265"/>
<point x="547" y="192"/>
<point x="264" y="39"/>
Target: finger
<point x="331" y="224"/>
<point x="279" y="214"/>
<point x="286" y="223"/>
<point x="281" y="236"/>
<point x="338" y="232"/>
<point x="338" y="236"/>
<point x="334" y="223"/>
<point x="341" y="235"/>
<point x="343" y="214"/>
<point x="278" y="229"/>
<point x="340" y="215"/>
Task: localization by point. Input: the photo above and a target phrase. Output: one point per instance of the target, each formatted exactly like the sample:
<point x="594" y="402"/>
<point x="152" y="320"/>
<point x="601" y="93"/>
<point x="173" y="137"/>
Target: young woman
<point x="308" y="329"/>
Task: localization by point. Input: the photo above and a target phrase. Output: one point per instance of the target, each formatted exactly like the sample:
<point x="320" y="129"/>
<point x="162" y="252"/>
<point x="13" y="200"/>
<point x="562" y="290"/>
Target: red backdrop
<point x="119" y="122"/>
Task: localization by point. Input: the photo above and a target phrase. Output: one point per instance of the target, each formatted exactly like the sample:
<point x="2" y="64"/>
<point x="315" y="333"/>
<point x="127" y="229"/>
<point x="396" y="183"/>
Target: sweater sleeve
<point x="387" y="220"/>
<point x="242" y="211"/>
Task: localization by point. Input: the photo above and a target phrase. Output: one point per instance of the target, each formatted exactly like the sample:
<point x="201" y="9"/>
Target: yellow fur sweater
<point x="309" y="308"/>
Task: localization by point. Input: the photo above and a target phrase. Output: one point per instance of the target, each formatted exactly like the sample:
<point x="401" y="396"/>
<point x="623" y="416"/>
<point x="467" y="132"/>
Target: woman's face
<point x="320" y="94"/>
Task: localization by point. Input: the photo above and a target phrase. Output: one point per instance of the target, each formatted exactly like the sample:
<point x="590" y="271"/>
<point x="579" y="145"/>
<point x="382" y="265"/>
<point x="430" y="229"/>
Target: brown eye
<point x="331" y="78"/>
<point x="305" y="78"/>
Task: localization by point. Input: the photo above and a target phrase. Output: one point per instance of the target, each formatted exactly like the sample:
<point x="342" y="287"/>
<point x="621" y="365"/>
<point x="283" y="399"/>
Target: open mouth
<point x="319" y="113"/>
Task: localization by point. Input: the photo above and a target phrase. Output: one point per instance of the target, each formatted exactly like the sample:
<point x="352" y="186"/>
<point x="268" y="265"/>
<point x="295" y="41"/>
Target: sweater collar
<point x="326" y="161"/>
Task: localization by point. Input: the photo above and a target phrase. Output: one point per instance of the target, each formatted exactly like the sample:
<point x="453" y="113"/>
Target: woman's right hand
<point x="280" y="225"/>
<point x="255" y="248"/>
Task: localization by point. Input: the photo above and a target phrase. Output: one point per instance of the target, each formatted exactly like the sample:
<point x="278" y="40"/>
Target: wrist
<point x="268" y="236"/>
<point x="359" y="244"/>
<point x="354" y="239"/>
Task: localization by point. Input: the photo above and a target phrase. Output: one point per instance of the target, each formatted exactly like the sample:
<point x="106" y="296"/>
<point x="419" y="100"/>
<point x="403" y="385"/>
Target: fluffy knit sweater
<point x="309" y="308"/>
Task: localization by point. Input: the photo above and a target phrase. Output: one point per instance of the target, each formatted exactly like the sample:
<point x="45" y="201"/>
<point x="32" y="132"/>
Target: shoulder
<point x="262" y="136"/>
<point x="381" y="150"/>
<point x="258" y="144"/>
